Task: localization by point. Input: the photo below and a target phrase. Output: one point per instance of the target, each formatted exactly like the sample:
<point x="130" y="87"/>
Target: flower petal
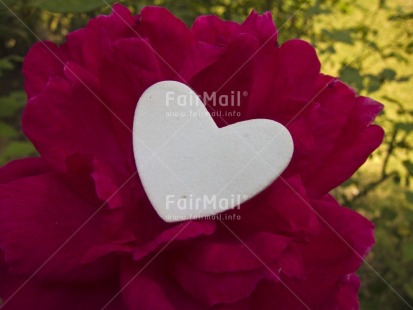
<point x="224" y="86"/>
<point x="150" y="287"/>
<point x="280" y="211"/>
<point x="213" y="30"/>
<point x="261" y="27"/>
<point x="47" y="226"/>
<point x="17" y="293"/>
<point x="179" y="232"/>
<point x="227" y="254"/>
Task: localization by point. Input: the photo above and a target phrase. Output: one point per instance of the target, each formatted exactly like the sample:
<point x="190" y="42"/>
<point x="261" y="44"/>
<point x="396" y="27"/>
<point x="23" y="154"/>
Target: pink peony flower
<point x="78" y="232"/>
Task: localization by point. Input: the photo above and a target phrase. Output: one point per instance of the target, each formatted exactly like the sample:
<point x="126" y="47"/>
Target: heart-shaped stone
<point x="189" y="167"/>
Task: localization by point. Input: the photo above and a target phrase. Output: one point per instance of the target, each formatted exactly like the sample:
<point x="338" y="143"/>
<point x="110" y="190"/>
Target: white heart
<point x="189" y="167"/>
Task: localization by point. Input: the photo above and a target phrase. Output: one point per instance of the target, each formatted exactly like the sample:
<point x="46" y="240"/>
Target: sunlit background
<point x="367" y="43"/>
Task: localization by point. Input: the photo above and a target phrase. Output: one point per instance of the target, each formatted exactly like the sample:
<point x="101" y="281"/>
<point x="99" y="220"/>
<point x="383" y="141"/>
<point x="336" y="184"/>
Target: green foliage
<point x="392" y="256"/>
<point x="17" y="149"/>
<point x="9" y="2"/>
<point x="352" y="77"/>
<point x="72" y="6"/>
<point x="12" y="104"/>
<point x="368" y="44"/>
<point x="12" y="142"/>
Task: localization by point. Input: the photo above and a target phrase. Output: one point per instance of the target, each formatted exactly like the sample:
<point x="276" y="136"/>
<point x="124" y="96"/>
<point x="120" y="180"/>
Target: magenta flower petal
<point x="281" y="211"/>
<point x="41" y="67"/>
<point x="179" y="232"/>
<point x="260" y="26"/>
<point x="52" y="295"/>
<point x="81" y="100"/>
<point x="217" y="288"/>
<point x="226" y="254"/>
<point x="346" y="234"/>
<point x="152" y="288"/>
<point x="46" y="213"/>
<point x="54" y="110"/>
<point x="341" y="295"/>
<point x="329" y="261"/>
<point x="22" y="168"/>
<point x="213" y="30"/>
<point x="228" y="77"/>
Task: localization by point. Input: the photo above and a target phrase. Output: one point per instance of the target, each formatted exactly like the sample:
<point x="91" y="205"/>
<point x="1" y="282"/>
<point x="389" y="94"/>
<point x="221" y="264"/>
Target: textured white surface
<point x="189" y="167"/>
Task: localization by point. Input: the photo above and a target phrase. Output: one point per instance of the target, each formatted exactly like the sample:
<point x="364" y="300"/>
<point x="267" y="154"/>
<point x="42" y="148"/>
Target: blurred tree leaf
<point x="409" y="196"/>
<point x="397" y="179"/>
<point x="17" y="149"/>
<point x="352" y="76"/>
<point x="404" y="78"/>
<point x="408" y="287"/>
<point x="407" y="252"/>
<point x="349" y="182"/>
<point x="6" y="131"/>
<point x="409" y="166"/>
<point x="401" y="16"/>
<point x="9" y="105"/>
<point x="330" y="49"/>
<point x="409" y="48"/>
<point x="339" y="35"/>
<point x="373" y="83"/>
<point x="316" y="10"/>
<point x="397" y="56"/>
<point x="388" y="74"/>
<point x="405" y="126"/>
<point x="7" y="3"/>
<point x="69" y="6"/>
<point x="5" y="65"/>
<point x="389" y="213"/>
<point x="391" y="99"/>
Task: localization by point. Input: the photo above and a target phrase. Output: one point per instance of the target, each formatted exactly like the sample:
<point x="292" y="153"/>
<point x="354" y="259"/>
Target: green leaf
<point x="409" y="196"/>
<point x="391" y="99"/>
<point x="401" y="16"/>
<point x="17" y="149"/>
<point x="329" y="50"/>
<point x="69" y="6"/>
<point x="397" y="179"/>
<point x="409" y="48"/>
<point x="408" y="288"/>
<point x="409" y="166"/>
<point x="399" y="57"/>
<point x="11" y="104"/>
<point x="388" y="74"/>
<point x="389" y="213"/>
<point x="6" y="64"/>
<point x="405" y="126"/>
<point x="343" y="36"/>
<point x="352" y="76"/>
<point x="407" y="252"/>
<point x="349" y="182"/>
<point x="373" y="83"/>
<point x="6" y="131"/>
<point x="409" y="215"/>
<point x="317" y="10"/>
<point x="404" y="78"/>
<point x="7" y="3"/>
